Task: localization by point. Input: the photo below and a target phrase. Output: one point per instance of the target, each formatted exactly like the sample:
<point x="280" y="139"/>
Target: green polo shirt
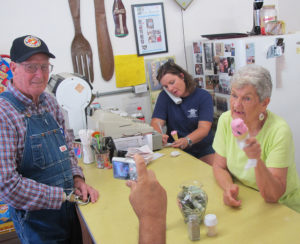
<point x="277" y="147"/>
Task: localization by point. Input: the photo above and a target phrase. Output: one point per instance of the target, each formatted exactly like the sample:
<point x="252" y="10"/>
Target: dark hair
<point x="171" y="68"/>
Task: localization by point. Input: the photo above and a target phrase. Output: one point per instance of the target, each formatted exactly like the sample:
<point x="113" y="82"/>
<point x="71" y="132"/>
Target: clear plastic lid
<point x="210" y="220"/>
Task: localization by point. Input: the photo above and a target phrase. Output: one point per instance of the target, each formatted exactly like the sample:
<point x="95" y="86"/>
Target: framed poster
<point x="150" y="28"/>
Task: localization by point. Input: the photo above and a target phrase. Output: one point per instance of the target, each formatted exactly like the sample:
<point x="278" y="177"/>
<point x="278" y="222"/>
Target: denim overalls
<point x="45" y="160"/>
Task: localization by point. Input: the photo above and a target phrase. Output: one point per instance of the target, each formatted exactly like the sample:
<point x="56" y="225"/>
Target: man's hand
<point x="148" y="198"/>
<point x="84" y="190"/>
<point x="149" y="201"/>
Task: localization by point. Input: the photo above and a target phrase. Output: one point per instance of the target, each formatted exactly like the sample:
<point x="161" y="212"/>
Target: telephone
<point x="176" y="100"/>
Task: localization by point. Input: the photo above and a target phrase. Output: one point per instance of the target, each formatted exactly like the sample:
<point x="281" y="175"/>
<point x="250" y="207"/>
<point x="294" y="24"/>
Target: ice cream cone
<point x="174" y="135"/>
<point x="239" y="129"/>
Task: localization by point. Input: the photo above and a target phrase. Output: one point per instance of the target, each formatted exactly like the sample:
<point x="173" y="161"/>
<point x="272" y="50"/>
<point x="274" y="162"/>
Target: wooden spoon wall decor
<point x="105" y="51"/>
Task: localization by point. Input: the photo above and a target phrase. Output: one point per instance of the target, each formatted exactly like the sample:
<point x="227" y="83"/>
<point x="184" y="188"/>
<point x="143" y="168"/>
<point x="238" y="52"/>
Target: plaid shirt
<point x="15" y="190"/>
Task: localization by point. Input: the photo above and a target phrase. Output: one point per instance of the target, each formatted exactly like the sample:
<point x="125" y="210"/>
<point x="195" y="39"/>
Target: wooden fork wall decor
<point x="82" y="56"/>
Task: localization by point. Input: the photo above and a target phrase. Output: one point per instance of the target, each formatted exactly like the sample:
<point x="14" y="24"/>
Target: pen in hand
<point x="160" y="128"/>
<point x="164" y="137"/>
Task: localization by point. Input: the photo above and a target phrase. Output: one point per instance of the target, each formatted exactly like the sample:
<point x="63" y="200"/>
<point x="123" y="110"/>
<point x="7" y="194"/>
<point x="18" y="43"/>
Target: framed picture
<point x="150" y="28"/>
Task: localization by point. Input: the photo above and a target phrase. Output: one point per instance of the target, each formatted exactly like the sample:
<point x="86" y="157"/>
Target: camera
<point x="124" y="168"/>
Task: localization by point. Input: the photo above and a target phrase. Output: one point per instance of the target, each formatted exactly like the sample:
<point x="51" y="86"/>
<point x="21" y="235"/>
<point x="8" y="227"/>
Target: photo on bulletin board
<point x="223" y="85"/>
<point x="152" y="66"/>
<point x="197" y="47"/>
<point x="250" y="53"/>
<point x="199" y="81"/>
<point x="213" y="95"/>
<point x="150" y="28"/>
<point x="222" y="103"/>
<point x="228" y="48"/>
<point x="211" y="81"/>
<point x="227" y="65"/>
<point x="198" y="58"/>
<point x="198" y="69"/>
<point x="223" y="65"/>
<point x="231" y="65"/>
<point x="219" y="49"/>
<point x="208" y="56"/>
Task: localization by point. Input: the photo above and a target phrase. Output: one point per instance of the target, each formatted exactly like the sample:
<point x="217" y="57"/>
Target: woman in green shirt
<point x="270" y="142"/>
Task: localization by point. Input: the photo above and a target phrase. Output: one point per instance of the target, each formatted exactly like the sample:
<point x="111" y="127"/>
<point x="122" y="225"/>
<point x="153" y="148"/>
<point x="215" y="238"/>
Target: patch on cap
<point x="32" y="41"/>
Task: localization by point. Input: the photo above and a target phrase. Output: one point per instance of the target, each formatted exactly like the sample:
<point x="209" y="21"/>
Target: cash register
<point x="125" y="131"/>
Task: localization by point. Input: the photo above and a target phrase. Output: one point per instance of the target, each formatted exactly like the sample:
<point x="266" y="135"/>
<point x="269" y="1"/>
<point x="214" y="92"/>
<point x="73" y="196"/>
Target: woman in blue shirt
<point x="192" y="118"/>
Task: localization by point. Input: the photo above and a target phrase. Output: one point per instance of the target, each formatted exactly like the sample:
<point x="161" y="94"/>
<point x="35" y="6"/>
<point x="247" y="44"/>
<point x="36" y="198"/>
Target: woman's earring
<point x="261" y="116"/>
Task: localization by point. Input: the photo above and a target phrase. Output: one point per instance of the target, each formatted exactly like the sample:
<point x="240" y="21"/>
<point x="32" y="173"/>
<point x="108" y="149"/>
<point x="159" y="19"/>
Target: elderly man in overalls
<point x="38" y="168"/>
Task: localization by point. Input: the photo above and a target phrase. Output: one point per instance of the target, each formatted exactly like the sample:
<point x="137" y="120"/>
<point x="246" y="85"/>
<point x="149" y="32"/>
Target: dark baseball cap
<point x="25" y="46"/>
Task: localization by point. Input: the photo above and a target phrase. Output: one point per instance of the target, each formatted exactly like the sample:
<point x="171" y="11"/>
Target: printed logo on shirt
<point x="192" y="113"/>
<point x="32" y="41"/>
<point x="63" y="148"/>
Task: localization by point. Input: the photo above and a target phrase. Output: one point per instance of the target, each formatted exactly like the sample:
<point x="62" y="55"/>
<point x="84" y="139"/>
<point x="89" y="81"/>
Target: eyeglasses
<point x="32" y="68"/>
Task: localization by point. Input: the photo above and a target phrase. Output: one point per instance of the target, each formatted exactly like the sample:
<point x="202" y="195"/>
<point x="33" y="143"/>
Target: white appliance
<point x="73" y="94"/>
<point x="279" y="54"/>
<point x="117" y="126"/>
<point x="125" y="131"/>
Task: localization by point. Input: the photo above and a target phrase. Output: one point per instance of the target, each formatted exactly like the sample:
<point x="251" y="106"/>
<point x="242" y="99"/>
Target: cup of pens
<point x="102" y="159"/>
<point x="101" y="151"/>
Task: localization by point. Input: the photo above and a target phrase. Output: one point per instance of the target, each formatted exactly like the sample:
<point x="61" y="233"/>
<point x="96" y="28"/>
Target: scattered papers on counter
<point x="144" y="151"/>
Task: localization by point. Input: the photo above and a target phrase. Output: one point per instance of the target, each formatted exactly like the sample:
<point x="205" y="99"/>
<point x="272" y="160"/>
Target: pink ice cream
<point x="240" y="131"/>
<point x="239" y="128"/>
<point x="174" y="135"/>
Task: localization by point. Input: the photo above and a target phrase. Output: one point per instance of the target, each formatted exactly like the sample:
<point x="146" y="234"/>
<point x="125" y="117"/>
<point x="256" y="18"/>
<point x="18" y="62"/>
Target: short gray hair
<point x="254" y="75"/>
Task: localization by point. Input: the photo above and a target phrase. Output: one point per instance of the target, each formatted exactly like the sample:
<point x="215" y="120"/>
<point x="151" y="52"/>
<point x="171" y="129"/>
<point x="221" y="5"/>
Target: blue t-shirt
<point x="184" y="117"/>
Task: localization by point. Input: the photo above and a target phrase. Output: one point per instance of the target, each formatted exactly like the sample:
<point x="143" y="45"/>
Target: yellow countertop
<point x="112" y="221"/>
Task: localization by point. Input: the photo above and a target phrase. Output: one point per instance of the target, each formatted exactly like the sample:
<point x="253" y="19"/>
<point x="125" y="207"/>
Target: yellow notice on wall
<point x="130" y="70"/>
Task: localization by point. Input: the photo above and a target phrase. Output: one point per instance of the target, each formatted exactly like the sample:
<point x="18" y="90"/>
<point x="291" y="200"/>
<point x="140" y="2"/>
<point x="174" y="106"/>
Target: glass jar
<point x="192" y="200"/>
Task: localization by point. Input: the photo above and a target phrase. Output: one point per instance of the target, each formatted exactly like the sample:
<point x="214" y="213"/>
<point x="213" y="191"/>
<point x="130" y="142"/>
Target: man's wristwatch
<point x="190" y="143"/>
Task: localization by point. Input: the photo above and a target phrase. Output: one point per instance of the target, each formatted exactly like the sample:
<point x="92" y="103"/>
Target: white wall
<point x="51" y="20"/>
<point x="287" y="11"/>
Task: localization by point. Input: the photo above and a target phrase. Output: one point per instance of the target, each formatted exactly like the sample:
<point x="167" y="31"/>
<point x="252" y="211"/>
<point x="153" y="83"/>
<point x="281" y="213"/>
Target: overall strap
<point x="17" y="104"/>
